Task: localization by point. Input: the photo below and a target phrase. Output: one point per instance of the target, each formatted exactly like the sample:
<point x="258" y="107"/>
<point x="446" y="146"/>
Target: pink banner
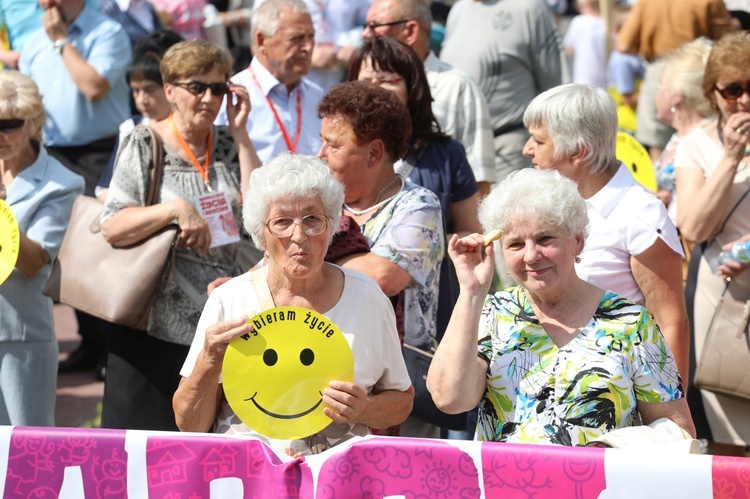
<point x="80" y="463"/>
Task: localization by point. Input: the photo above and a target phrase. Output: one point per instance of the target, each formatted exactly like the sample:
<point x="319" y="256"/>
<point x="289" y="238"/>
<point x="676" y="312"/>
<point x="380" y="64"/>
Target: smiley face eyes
<point x="270" y="357"/>
<point x="306" y="357"/>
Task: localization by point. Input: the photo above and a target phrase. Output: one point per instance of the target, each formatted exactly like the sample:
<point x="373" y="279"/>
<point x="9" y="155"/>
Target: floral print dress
<point x="540" y="393"/>
<point x="408" y="231"/>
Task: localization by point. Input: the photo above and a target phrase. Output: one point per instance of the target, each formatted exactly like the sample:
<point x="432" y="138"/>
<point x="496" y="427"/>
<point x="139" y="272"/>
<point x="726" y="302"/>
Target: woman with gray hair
<point x="558" y="360"/>
<point x="39" y="192"/>
<point x="633" y="248"/>
<point x="294" y="209"/>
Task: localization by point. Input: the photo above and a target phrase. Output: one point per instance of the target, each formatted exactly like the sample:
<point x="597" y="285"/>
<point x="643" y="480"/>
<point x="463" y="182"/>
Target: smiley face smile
<point x="283" y="416"/>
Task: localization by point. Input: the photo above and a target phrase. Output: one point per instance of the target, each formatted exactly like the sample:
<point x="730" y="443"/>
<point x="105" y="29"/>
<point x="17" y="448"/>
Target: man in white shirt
<point x="458" y="103"/>
<point x="284" y="114"/>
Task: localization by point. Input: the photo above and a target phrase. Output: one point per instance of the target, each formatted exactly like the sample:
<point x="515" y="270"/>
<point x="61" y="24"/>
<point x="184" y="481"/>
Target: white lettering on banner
<point x="135" y="447"/>
<point x="660" y="474"/>
<point x="5" y="432"/>
<point x="227" y="488"/>
<point x="72" y="486"/>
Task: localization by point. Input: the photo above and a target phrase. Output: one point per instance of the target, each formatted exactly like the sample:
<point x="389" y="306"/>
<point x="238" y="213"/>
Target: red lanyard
<point x="202" y="168"/>
<point x="291" y="145"/>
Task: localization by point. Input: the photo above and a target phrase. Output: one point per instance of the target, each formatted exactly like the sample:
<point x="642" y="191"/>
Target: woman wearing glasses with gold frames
<point x="202" y="174"/>
<point x="293" y="212"/>
<point x="713" y="180"/>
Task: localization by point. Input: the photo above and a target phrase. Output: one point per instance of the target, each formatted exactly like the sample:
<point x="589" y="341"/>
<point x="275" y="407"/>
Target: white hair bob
<point x="544" y="197"/>
<point x="290" y="177"/>
<point x="577" y="115"/>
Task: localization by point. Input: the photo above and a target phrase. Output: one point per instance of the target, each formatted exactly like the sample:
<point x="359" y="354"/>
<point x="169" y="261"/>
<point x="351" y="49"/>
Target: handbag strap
<point x="157" y="166"/>
<point x="262" y="291"/>
<point x="726" y="219"/>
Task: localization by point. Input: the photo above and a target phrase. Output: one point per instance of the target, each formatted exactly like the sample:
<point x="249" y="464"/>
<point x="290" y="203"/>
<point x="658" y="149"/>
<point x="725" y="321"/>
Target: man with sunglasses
<point x="283" y="114"/>
<point x="458" y="103"/>
<point x="78" y="59"/>
<point x="654" y="28"/>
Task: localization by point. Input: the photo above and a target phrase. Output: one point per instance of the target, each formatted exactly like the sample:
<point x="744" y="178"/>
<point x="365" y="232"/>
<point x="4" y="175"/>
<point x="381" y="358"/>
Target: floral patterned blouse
<point x="408" y="231"/>
<point x="539" y="393"/>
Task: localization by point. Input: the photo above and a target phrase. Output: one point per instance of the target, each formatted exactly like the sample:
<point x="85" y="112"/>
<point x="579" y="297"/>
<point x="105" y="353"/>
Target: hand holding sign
<point x="275" y="376"/>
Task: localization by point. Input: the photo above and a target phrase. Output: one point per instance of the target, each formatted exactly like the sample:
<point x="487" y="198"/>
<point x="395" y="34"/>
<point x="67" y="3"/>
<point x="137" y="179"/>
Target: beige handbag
<point x="724" y="366"/>
<point x="115" y="284"/>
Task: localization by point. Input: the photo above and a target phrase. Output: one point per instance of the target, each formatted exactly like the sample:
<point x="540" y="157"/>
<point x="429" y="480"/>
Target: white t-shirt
<point x="624" y="220"/>
<point x="586" y="35"/>
<point x="365" y="316"/>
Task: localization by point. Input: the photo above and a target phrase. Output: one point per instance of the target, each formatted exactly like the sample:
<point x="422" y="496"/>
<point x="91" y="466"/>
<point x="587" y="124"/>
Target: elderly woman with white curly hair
<point x="633" y="248"/>
<point x="293" y="208"/>
<point x="555" y="360"/>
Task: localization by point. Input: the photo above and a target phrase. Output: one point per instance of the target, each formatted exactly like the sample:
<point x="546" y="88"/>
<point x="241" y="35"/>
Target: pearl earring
<point x="672" y="109"/>
<point x="578" y="259"/>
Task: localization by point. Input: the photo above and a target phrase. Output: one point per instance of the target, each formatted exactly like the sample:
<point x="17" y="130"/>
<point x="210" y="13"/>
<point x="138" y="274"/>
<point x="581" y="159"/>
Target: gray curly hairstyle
<point x="289" y="177"/>
<point x="545" y="197"/>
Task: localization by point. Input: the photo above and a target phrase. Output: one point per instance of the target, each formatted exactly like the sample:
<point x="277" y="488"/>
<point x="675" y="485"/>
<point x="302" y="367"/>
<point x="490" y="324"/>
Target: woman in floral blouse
<point x="558" y="361"/>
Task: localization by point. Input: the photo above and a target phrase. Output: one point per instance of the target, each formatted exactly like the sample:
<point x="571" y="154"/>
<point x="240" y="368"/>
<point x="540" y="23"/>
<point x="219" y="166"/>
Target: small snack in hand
<point x="492" y="236"/>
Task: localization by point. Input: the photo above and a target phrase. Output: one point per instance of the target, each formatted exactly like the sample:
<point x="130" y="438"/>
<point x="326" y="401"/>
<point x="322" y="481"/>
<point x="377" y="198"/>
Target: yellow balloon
<point x="10" y="240"/>
<point x="637" y="159"/>
<point x="274" y="376"/>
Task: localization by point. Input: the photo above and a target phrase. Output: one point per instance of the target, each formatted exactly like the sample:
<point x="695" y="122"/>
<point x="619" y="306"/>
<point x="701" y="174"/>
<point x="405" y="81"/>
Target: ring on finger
<point x="740" y="130"/>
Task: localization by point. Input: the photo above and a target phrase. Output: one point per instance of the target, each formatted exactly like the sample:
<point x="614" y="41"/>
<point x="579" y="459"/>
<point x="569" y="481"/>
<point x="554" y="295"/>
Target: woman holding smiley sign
<point x="295" y="208"/>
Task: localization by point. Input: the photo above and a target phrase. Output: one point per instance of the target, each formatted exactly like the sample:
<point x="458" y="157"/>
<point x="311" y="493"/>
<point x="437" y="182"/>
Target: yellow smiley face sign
<point x="274" y="376"/>
<point x="10" y="240"/>
<point x="636" y="158"/>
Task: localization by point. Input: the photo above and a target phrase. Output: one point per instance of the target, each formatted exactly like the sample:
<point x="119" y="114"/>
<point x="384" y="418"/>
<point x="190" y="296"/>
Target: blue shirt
<point x="443" y="168"/>
<point x="21" y="19"/>
<point x="71" y="118"/>
<point x="623" y="70"/>
<point x="41" y="197"/>
<point x="262" y="127"/>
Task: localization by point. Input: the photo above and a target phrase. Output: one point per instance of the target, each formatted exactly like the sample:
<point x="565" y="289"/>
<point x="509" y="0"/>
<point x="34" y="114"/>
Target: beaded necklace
<point x="381" y="203"/>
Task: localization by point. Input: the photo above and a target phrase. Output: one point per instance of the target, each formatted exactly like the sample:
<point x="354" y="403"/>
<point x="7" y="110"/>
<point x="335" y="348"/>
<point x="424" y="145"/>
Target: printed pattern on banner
<point x="67" y="463"/>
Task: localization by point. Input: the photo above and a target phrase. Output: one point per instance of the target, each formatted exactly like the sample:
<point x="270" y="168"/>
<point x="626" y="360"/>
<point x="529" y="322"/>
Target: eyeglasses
<point x="382" y="80"/>
<point x="733" y="91"/>
<point x="199" y="88"/>
<point x="312" y="225"/>
<point x="374" y="26"/>
<point x="8" y="126"/>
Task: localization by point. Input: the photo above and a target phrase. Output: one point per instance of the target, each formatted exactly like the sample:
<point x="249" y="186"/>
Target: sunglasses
<point x="374" y="26"/>
<point x="7" y="126"/>
<point x="733" y="91"/>
<point x="198" y="88"/>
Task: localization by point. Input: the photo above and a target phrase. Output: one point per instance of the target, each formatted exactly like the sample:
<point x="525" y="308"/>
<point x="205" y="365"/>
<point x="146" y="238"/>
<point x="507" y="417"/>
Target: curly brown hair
<point x="372" y="112"/>
<point x="730" y="55"/>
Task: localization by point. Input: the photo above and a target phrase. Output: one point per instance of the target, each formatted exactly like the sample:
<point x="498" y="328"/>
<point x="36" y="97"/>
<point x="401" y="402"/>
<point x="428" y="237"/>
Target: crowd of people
<point x="359" y="166"/>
